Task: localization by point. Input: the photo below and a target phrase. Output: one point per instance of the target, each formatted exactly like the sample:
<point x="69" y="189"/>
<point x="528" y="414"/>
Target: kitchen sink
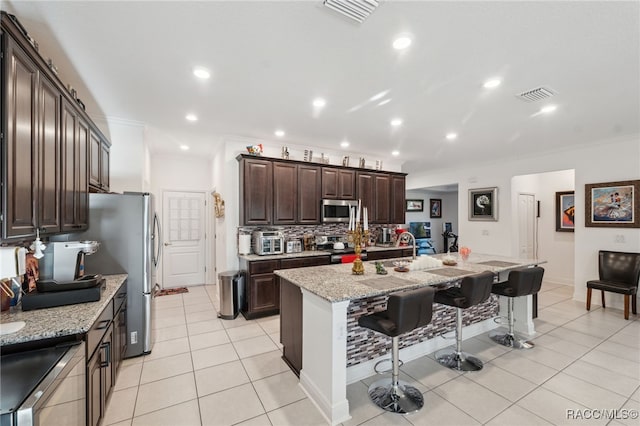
<point x="390" y="263"/>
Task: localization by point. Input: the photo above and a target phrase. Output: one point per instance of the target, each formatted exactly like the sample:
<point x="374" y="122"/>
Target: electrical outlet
<point x="485" y="232"/>
<point x="134" y="337"/>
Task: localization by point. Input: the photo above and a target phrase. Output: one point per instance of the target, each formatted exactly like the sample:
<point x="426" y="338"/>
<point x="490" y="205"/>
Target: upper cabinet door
<point x="338" y="184"/>
<point x="397" y="199"/>
<point x="365" y="192"/>
<point x="95" y="152"/>
<point x="256" y="181"/>
<point x="285" y="193"/>
<point x="20" y="143"/>
<point x="309" y="189"/>
<point x="105" y="182"/>
<point x="48" y="157"/>
<point x="382" y="194"/>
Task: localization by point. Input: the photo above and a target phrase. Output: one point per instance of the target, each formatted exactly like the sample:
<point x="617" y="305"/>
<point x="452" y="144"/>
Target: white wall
<point x="592" y="164"/>
<point x="449" y="214"/>
<point x="128" y="163"/>
<point x="555" y="247"/>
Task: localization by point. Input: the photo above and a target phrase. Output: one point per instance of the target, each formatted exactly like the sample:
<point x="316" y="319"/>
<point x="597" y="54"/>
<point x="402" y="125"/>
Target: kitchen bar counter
<point x="309" y="253"/>
<point x="60" y="321"/>
<point x="335" y="283"/>
<point x="321" y="305"/>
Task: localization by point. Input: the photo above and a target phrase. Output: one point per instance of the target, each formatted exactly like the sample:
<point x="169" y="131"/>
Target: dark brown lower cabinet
<point x="262" y="290"/>
<point x="389" y="254"/>
<point x="100" y="378"/>
<point x="291" y="325"/>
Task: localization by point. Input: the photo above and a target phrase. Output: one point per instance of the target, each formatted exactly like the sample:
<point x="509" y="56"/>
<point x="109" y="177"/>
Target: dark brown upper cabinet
<point x="309" y="188"/>
<point x="285" y="193"/>
<point x="75" y="188"/>
<point x="338" y="184"/>
<point x="384" y="195"/>
<point x="398" y="196"/>
<point x="256" y="191"/>
<point x="99" y="150"/>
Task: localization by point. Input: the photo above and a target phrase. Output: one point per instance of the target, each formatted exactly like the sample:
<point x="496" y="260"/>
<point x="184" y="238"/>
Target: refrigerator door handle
<point x="157" y="237"/>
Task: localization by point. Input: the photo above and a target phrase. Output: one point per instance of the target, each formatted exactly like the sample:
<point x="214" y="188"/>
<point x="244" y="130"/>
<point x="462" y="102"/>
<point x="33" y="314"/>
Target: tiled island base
<point x="365" y="345"/>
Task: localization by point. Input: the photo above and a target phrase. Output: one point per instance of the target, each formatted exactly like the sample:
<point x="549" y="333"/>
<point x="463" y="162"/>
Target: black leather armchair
<point x="619" y="273"/>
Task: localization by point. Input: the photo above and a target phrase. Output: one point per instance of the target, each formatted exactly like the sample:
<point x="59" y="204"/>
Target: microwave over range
<point x="336" y="210"/>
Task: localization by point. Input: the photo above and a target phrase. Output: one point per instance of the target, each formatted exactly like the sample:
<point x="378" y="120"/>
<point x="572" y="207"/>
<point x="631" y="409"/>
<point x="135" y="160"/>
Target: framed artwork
<point x="612" y="204"/>
<point x="415" y="205"/>
<point x="483" y="204"/>
<point x="435" y="208"/>
<point x="565" y="211"/>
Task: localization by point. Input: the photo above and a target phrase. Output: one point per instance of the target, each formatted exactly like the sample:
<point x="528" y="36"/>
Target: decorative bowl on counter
<point x="401" y="266"/>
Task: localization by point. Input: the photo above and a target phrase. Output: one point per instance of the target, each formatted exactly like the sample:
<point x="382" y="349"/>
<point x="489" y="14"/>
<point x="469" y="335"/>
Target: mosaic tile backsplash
<point x="364" y="344"/>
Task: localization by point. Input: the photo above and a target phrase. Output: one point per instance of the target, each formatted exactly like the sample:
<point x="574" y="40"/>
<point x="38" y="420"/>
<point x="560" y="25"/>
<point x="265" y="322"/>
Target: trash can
<point x="231" y="292"/>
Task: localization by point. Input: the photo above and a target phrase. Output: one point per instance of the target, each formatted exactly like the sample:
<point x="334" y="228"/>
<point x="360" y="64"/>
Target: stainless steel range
<point x="332" y="245"/>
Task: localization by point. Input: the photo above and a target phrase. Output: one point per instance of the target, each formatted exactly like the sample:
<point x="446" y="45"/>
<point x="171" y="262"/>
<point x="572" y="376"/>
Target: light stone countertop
<point x="336" y="283"/>
<point x="59" y="321"/>
<point x="309" y="253"/>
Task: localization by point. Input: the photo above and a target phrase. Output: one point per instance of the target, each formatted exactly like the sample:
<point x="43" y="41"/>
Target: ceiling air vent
<point x="537" y="94"/>
<point x="358" y="10"/>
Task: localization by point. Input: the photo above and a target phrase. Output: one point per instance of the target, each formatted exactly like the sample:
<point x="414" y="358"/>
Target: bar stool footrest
<point x="401" y="399"/>
<point x="510" y="340"/>
<point x="460" y="361"/>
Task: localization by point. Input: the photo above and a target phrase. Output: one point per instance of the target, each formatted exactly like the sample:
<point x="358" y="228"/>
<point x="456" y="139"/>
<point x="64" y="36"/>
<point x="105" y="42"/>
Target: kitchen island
<point x="323" y="343"/>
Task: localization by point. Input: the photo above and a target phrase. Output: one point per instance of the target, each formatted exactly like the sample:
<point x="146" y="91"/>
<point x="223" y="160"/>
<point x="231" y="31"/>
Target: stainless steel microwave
<point x="337" y="210"/>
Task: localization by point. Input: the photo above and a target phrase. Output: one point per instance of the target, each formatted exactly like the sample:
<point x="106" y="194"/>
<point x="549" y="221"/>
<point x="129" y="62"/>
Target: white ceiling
<point x="133" y="61"/>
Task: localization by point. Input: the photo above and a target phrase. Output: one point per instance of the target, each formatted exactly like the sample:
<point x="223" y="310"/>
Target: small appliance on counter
<point x="64" y="261"/>
<point x="385" y="237"/>
<point x="293" y="246"/>
<point x="267" y="242"/>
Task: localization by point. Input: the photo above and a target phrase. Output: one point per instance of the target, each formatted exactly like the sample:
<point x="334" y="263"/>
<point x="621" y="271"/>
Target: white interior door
<point x="184" y="238"/>
<point x="526" y="225"/>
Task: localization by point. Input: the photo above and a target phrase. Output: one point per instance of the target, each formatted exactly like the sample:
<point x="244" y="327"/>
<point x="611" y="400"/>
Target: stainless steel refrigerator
<point x="129" y="234"/>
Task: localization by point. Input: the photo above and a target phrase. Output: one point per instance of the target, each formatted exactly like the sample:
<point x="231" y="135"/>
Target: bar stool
<point x="405" y="312"/>
<point x="473" y="290"/>
<point x="521" y="282"/>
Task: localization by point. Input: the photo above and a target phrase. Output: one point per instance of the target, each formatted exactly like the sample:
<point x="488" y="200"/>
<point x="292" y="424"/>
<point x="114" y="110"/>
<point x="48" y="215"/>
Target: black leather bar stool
<point x="473" y="290"/>
<point x="405" y="311"/>
<point x="521" y="282"/>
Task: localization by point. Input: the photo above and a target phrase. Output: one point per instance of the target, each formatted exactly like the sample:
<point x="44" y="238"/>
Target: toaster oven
<point x="267" y="242"/>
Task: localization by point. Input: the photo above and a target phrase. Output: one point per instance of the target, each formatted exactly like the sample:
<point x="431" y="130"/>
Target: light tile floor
<point x="206" y="371"/>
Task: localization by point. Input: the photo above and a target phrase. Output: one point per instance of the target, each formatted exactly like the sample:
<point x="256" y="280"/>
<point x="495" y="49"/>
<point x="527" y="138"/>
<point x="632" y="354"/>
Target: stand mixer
<point x="64" y="260"/>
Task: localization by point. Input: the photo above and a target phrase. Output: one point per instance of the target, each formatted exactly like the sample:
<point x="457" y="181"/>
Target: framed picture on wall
<point x="415" y="205"/>
<point x="565" y="211"/>
<point x="483" y="204"/>
<point x="612" y="204"/>
<point x="435" y="208"/>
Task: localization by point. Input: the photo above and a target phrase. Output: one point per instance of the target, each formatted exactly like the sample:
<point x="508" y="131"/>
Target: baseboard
<point x="333" y="414"/>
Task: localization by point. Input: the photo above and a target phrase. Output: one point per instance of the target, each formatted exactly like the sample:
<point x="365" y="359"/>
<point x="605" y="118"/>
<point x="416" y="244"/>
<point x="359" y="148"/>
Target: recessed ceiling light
<point x="184" y="147"/>
<point x="344" y="144"/>
<point x="490" y="84"/>
<point x="451" y="136"/>
<point x="192" y="117"/>
<point x="279" y="133"/>
<point x="401" y="43"/>
<point x="202" y="73"/>
<point x="319" y="102"/>
<point x="395" y="153"/>
<point x="396" y="122"/>
<point x="547" y="109"/>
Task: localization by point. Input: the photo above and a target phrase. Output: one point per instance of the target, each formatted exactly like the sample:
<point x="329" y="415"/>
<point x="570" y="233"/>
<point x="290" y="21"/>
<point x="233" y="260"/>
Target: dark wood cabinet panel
<point x="308" y="198"/>
<point x="105" y="164"/>
<point x="19" y="144"/>
<point x="398" y="195"/>
<point x="338" y="184"/>
<point x="48" y="202"/>
<point x="365" y="192"/>
<point x="264" y="294"/>
<point x="388" y="254"/>
<point x="285" y="192"/>
<point x="291" y="325"/>
<point x="95" y="152"/>
<point x="256" y="183"/>
<point x="95" y="393"/>
<point x="382" y="199"/>
<point x="302" y="262"/>
<point x="75" y="189"/>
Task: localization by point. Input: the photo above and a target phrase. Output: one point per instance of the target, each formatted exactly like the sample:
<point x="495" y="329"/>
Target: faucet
<point x="413" y="238"/>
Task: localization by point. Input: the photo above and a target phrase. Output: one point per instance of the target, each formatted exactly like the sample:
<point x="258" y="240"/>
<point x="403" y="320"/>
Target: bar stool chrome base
<point x="510" y="340"/>
<point x="401" y="399"/>
<point x="457" y="360"/>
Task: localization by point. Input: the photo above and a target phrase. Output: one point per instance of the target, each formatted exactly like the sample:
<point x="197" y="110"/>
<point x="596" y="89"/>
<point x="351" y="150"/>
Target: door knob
<point x="167" y="244"/>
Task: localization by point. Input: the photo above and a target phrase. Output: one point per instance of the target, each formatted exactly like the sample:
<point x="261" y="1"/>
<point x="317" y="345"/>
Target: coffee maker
<point x="64" y="260"/>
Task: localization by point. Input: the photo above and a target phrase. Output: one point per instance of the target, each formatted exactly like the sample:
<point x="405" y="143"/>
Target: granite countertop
<point x="310" y="253"/>
<point x="336" y="283"/>
<point x="59" y="321"/>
